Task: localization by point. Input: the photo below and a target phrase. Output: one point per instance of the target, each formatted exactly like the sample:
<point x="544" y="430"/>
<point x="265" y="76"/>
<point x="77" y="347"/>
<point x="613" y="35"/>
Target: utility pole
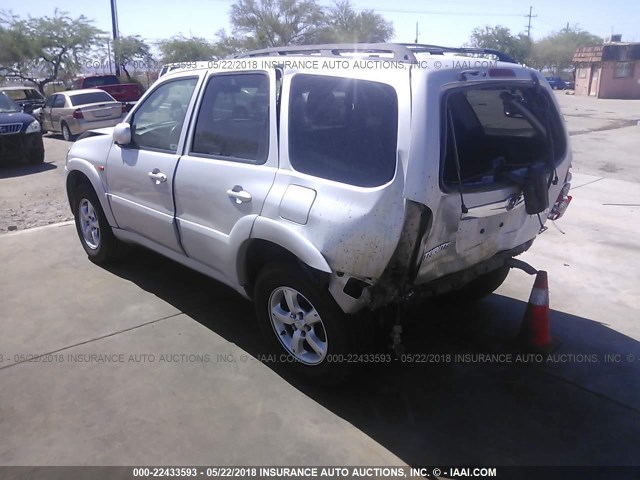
<point x="109" y="54"/>
<point x="529" y="25"/>
<point x="116" y="34"/>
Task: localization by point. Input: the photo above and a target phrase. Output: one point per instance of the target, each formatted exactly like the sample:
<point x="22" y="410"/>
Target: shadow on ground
<point x="443" y="411"/>
<point x="20" y="169"/>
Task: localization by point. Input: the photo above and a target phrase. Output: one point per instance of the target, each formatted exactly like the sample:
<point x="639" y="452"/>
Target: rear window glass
<point x="87" y="98"/>
<point x="343" y="129"/>
<point x="495" y="130"/>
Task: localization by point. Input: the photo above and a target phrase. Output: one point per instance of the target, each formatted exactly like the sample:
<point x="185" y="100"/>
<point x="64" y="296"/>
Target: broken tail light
<point x="563" y="201"/>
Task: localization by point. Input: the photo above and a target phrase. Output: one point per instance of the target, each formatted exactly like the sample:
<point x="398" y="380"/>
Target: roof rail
<point x="440" y="50"/>
<point x="402" y="52"/>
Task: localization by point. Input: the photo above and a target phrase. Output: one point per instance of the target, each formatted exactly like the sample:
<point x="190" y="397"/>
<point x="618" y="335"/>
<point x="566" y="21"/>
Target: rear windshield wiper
<point x="510" y="100"/>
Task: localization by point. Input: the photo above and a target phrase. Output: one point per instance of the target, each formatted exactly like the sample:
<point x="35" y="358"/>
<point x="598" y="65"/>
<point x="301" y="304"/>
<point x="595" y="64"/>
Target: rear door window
<point x="233" y="121"/>
<point x="58" y="101"/>
<point x="343" y="129"/>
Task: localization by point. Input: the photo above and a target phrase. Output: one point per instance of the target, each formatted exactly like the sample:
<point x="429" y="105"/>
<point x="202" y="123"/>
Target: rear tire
<point x="302" y="324"/>
<point x="66" y="133"/>
<point x="94" y="231"/>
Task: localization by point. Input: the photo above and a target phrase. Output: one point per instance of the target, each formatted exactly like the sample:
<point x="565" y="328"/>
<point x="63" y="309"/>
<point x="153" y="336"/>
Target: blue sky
<point x="439" y="22"/>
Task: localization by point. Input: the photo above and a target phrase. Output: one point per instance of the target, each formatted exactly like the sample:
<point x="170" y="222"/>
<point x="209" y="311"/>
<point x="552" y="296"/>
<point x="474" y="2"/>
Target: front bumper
<point x="19" y="146"/>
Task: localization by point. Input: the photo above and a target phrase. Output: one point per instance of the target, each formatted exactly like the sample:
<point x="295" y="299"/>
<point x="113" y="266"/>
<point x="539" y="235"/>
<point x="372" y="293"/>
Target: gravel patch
<point x="34" y="195"/>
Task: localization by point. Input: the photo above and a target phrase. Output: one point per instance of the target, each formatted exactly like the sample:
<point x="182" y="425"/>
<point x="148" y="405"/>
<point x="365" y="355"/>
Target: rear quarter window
<point x="343" y="129"/>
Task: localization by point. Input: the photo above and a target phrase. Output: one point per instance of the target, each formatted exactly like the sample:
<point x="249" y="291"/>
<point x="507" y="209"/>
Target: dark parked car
<point x="28" y="98"/>
<point x="556" y="83"/>
<point x="20" y="133"/>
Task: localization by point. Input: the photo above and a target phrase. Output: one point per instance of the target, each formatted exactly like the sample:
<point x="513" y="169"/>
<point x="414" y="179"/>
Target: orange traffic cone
<point x="535" y="332"/>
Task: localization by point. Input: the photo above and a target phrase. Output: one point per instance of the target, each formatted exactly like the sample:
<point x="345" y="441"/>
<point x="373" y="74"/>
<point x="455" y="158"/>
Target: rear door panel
<point x="232" y="147"/>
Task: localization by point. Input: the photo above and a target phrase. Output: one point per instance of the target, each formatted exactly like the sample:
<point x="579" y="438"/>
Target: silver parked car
<point x="327" y="181"/>
<point x="74" y="112"/>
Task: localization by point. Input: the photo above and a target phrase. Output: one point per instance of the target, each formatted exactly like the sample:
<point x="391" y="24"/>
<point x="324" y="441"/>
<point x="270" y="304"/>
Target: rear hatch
<point x="501" y="162"/>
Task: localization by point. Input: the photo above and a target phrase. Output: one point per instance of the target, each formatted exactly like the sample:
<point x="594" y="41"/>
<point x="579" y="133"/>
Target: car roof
<point x="18" y="88"/>
<point x="73" y="93"/>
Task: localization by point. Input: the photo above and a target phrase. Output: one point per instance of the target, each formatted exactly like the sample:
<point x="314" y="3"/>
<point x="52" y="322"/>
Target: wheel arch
<point x="83" y="172"/>
<point x="271" y="241"/>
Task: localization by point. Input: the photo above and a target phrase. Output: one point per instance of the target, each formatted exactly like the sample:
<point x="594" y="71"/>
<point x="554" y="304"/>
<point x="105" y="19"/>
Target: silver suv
<point x="327" y="181"/>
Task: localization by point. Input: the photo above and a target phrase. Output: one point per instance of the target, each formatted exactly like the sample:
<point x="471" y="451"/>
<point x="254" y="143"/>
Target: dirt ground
<point x="33" y="196"/>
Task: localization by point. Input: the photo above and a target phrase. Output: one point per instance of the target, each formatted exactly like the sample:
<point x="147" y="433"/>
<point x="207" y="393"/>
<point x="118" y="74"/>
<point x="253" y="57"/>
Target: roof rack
<point x="440" y="50"/>
<point x="399" y="52"/>
<point x="402" y="52"/>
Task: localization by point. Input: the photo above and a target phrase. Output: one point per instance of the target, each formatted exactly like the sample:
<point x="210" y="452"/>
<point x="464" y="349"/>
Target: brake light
<point x="77" y="114"/>
<point x="501" y="72"/>
<point x="562" y="202"/>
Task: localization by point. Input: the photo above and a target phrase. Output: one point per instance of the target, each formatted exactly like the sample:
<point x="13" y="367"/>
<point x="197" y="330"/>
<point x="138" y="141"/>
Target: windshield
<point x="26" y="94"/>
<point x="7" y="105"/>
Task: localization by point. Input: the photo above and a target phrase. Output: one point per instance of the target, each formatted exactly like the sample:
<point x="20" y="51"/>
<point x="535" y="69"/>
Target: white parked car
<point x="322" y="183"/>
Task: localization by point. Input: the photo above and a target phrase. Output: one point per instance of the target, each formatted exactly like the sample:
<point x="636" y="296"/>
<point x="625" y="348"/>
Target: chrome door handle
<point x="158" y="176"/>
<point x="239" y="194"/>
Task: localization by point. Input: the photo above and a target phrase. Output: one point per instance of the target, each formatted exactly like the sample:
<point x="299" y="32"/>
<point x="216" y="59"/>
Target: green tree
<point x="41" y="50"/>
<point x="274" y="23"/>
<point x="555" y="52"/>
<point x="182" y="49"/>
<point x="345" y="25"/>
<point x="501" y="38"/>
<point x="130" y="50"/>
<point x="228" y="45"/>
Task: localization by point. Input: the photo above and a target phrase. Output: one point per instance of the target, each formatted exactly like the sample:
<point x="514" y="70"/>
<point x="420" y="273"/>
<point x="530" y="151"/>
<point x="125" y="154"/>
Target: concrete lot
<point x="580" y="408"/>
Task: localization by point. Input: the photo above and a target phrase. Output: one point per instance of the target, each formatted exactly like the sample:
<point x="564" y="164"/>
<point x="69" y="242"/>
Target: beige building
<point x="611" y="70"/>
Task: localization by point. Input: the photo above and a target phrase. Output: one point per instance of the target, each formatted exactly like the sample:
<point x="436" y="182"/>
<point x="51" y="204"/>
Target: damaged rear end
<point x="489" y="163"/>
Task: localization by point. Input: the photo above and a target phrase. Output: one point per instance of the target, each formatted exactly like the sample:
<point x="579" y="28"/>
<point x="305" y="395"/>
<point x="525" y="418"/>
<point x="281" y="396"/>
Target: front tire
<point x="94" y="231"/>
<point x="302" y="323"/>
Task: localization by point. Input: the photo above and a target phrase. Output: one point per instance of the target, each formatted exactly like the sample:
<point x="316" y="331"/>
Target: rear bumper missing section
<point x="457" y="280"/>
<point x="352" y="294"/>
